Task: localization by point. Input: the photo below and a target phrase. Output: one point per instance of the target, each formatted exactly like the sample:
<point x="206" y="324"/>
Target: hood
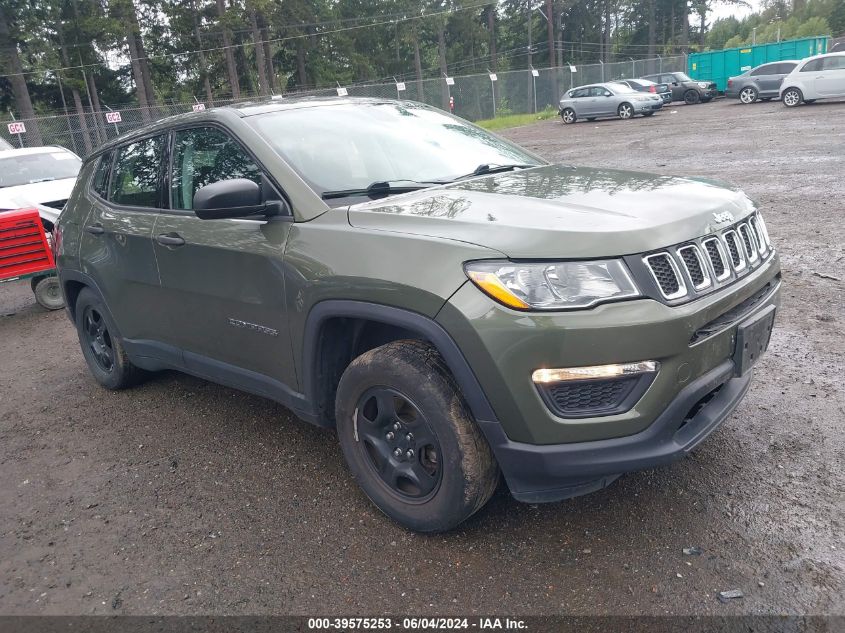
<point x="37" y="195"/>
<point x="557" y="211"/>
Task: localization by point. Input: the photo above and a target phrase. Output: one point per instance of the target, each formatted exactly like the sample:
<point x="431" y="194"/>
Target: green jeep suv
<point x="456" y="307"/>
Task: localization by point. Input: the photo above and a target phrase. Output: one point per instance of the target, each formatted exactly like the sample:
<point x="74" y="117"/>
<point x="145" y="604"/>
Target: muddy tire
<point x="409" y="438"/>
<point x="101" y="344"/>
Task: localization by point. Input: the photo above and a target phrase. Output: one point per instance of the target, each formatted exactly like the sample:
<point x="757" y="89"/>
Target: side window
<point x="202" y="156"/>
<point x="786" y="68"/>
<point x="837" y="62"/>
<point x="667" y="79"/>
<point x="813" y="66"/>
<point x="768" y="69"/>
<point x="598" y="91"/>
<point x="100" y="183"/>
<point x="136" y="180"/>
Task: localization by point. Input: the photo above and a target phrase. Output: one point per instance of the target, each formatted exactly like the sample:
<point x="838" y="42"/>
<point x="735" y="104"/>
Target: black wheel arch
<point x="338" y="331"/>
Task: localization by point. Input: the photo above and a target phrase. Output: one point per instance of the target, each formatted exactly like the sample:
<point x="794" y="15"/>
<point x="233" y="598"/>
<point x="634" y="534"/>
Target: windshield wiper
<point x="485" y="168"/>
<point x="381" y="189"/>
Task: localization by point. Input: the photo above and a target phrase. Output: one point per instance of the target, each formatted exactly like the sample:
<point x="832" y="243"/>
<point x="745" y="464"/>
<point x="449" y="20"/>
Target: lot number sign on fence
<point x="16" y="127"/>
<point x="113" y="117"/>
<point x="198" y="107"/>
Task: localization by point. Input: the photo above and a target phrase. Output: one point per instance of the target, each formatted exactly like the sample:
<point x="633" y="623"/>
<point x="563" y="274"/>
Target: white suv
<point x="819" y="77"/>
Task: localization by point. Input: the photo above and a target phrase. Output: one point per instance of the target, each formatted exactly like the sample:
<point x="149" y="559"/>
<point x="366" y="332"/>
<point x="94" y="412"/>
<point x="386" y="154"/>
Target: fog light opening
<point x="546" y="376"/>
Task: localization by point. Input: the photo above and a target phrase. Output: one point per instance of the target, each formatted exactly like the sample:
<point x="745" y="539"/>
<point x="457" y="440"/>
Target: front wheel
<point x="792" y="97"/>
<point x="409" y="439"/>
<point x="625" y="111"/>
<point x="691" y="97"/>
<point x="748" y="95"/>
<point x="568" y="116"/>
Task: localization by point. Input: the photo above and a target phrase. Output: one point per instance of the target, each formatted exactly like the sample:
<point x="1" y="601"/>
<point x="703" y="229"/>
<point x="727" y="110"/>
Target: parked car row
<point x="793" y="81"/>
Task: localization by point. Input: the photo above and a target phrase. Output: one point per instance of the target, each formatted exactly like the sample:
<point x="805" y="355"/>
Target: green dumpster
<point x="719" y="65"/>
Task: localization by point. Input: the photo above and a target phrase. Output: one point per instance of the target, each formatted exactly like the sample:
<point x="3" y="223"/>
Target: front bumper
<point x="546" y="457"/>
<point x="537" y="473"/>
<point x="647" y="106"/>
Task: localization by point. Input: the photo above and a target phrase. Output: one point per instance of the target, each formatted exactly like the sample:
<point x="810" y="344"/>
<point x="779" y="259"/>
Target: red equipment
<point x="25" y="253"/>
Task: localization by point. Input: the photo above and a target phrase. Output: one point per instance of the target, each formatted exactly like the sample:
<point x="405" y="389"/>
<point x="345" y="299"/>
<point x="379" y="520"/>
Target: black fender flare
<point x="426" y="327"/>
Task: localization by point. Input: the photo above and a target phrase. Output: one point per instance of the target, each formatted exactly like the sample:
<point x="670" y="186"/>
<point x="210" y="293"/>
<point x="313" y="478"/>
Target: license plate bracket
<point x="752" y="340"/>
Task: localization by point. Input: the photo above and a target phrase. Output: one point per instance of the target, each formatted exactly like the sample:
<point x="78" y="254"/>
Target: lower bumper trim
<point x="537" y="473"/>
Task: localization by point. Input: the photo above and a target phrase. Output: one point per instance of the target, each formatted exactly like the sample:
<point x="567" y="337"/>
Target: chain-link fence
<point x="475" y="97"/>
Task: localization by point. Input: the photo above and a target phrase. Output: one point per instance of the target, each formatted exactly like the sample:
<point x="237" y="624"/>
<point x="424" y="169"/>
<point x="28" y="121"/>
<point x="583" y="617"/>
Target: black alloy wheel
<point x="398" y="444"/>
<point x="98" y="339"/>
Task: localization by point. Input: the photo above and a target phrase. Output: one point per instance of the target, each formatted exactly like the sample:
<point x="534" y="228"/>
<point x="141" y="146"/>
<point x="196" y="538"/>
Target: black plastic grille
<point x="746" y="239"/>
<point x="715" y="257"/>
<point x="696" y="274"/>
<point x="733" y="249"/>
<point x="589" y="396"/>
<point x="664" y="273"/>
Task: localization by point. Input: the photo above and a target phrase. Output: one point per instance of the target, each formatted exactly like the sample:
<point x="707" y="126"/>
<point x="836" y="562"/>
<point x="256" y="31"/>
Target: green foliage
<point x="515" y="120"/>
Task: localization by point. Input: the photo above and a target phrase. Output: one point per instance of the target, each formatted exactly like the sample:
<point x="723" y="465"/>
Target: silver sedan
<point x="607" y="100"/>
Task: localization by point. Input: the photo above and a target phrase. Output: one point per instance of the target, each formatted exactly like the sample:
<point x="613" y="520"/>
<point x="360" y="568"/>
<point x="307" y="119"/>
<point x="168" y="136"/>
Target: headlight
<point x="703" y="84"/>
<point x="553" y="286"/>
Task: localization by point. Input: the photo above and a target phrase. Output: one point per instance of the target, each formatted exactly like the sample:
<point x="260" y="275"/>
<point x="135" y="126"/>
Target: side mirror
<point x="235" y="198"/>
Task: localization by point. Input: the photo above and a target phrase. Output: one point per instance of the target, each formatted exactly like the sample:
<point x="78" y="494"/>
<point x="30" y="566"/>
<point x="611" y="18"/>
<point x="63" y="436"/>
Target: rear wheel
<point x="748" y="95"/>
<point x="101" y="345"/>
<point x="691" y="97"/>
<point x="792" y="97"/>
<point x="409" y="440"/>
<point x="568" y="116"/>
<point x="625" y="111"/>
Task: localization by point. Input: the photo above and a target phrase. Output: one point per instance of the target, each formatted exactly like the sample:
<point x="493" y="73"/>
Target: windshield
<point x="25" y="169"/>
<point x="682" y="77"/>
<point x="353" y="145"/>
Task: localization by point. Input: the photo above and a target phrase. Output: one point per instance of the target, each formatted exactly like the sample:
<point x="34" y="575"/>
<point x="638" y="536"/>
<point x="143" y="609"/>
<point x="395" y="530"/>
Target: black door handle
<point x="95" y="229"/>
<point x="170" y="239"/>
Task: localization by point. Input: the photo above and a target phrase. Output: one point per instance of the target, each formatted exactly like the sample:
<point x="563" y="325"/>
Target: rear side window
<point x="834" y="63"/>
<point x="768" y="69"/>
<point x="136" y="178"/>
<point x="786" y="68"/>
<point x="579" y="92"/>
<point x="812" y="66"/>
<point x="100" y="184"/>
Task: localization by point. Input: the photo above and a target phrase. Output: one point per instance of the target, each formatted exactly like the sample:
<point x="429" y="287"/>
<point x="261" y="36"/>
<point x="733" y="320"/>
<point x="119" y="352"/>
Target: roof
<point x="46" y="149"/>
<point x="240" y="110"/>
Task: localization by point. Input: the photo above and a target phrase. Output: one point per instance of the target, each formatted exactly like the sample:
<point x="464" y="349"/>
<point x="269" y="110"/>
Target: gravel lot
<point x="183" y="497"/>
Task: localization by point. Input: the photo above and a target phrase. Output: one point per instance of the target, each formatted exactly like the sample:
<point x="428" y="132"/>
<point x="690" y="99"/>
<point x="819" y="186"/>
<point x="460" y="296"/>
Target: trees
<point x="147" y="52"/>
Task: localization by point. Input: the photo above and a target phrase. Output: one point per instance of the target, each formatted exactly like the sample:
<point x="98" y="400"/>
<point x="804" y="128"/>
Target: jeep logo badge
<point x="724" y="216"/>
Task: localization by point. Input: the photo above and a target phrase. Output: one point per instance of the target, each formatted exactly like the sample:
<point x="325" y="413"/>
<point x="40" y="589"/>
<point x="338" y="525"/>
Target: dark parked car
<point x="762" y="82"/>
<point x="646" y="85"/>
<point x="454" y="306"/>
<point x="685" y="89"/>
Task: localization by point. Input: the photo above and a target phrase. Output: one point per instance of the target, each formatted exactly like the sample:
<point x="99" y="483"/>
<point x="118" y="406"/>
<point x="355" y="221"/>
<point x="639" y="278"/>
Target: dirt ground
<point x="183" y="497"/>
